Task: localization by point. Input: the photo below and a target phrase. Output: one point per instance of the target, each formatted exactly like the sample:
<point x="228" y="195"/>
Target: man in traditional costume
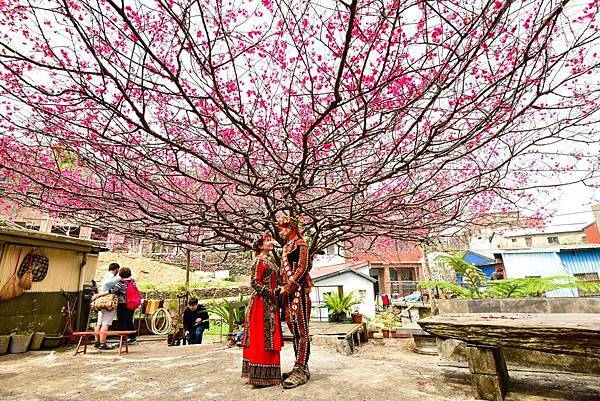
<point x="295" y="296"/>
<point x="262" y="338"/>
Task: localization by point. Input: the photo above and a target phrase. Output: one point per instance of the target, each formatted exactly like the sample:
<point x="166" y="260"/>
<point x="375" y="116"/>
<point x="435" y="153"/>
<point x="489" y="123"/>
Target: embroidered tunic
<point x="262" y="331"/>
<point x="297" y="305"/>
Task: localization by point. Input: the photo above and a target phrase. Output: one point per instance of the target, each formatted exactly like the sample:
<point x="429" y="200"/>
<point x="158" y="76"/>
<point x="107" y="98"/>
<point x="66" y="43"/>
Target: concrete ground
<point x="153" y="371"/>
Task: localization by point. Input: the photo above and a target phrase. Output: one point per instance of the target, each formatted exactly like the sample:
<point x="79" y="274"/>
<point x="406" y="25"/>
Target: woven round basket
<point x="37" y="263"/>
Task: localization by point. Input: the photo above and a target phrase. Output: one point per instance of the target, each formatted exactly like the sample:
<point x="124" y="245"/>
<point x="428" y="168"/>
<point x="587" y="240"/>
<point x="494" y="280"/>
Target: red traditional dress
<point x="262" y="330"/>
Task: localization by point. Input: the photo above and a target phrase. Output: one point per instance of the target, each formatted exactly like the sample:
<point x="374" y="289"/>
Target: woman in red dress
<point x="262" y="338"/>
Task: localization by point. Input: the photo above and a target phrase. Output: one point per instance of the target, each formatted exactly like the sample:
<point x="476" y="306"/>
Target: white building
<point x="333" y="255"/>
<point x="356" y="279"/>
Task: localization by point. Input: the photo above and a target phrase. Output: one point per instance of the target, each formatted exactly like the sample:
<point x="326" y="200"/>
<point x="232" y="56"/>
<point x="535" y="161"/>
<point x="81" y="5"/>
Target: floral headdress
<point x="259" y="241"/>
<point x="290" y="221"/>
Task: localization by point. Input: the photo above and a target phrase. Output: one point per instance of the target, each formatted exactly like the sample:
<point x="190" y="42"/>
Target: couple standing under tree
<point x="285" y="289"/>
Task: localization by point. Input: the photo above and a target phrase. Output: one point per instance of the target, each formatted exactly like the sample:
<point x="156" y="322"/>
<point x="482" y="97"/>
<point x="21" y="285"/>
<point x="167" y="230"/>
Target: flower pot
<point x="357" y="318"/>
<point x="4" y="341"/>
<point x="36" y="341"/>
<point x="337" y="317"/>
<point x="51" y="341"/>
<point x="19" y="343"/>
<point x="386" y="333"/>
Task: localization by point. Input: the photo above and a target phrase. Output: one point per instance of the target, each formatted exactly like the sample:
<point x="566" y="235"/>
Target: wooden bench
<point x="487" y="333"/>
<point x="84" y="337"/>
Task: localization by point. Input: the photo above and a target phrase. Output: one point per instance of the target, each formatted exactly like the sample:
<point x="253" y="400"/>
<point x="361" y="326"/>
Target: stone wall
<point x="451" y="350"/>
<point x="204" y="293"/>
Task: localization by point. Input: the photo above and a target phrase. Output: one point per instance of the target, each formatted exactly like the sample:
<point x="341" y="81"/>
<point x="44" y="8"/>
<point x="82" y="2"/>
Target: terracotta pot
<point x="19" y="343"/>
<point x="4" y="341"/>
<point x="386" y="333"/>
<point x="36" y="340"/>
<point x="357" y="318"/>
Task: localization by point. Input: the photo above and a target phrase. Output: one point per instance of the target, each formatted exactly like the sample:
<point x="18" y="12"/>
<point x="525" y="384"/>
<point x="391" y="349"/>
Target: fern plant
<point x="222" y="309"/>
<point x="339" y="306"/>
<point x="531" y="287"/>
<point x="477" y="285"/>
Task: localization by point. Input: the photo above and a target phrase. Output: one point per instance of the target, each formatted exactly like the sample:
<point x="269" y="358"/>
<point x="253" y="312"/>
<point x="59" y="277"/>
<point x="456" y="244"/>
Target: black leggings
<point x="125" y="319"/>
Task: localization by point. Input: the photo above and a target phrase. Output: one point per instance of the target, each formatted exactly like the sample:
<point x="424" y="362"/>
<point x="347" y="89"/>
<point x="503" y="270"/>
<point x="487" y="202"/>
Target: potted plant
<point x="38" y="335"/>
<point x="357" y="317"/>
<point x="389" y="320"/>
<point x="340" y="305"/>
<point x="4" y="341"/>
<point x="20" y="336"/>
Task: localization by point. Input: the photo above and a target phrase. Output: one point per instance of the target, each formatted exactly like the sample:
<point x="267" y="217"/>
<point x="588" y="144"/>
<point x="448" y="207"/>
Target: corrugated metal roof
<point x="532" y="264"/>
<point x="562" y="228"/>
<point x="581" y="261"/>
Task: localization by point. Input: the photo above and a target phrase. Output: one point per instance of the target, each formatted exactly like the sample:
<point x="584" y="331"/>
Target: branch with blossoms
<point x="201" y="122"/>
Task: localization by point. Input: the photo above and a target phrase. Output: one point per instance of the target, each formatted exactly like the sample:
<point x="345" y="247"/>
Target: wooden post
<point x="488" y="371"/>
<point x="340" y="291"/>
<point x="187" y="267"/>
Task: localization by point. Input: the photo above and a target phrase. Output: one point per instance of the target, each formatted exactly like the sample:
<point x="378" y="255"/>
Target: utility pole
<point x="187" y="267"/>
<point x="427" y="273"/>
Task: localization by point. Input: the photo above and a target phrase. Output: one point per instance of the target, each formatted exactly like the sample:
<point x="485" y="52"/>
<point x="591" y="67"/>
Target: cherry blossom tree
<point x="200" y="122"/>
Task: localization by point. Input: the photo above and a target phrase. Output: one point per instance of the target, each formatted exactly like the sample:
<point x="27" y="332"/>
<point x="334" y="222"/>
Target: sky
<point x="574" y="206"/>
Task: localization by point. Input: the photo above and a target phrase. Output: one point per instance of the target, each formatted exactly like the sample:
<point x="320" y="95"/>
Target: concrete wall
<point x="452" y="351"/>
<point x="334" y="255"/>
<point x="520" y="305"/>
<point x="350" y="282"/>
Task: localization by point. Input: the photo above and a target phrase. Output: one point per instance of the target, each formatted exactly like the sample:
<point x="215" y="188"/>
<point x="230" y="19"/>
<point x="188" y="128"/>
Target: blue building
<point x="581" y="261"/>
<point x="485" y="263"/>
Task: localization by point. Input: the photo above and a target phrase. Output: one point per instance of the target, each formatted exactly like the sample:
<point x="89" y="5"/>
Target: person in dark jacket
<point x="124" y="315"/>
<point x="195" y="321"/>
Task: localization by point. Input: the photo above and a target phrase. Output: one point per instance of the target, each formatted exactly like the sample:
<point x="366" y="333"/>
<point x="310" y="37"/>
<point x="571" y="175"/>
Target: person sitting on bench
<point x="195" y="321"/>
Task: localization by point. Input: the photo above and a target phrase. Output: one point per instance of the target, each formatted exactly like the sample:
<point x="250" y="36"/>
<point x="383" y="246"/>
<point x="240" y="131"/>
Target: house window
<point x="589" y="278"/>
<point x="514" y="240"/>
<point x="362" y="294"/>
<point x="528" y="241"/>
<point x="69" y="231"/>
<point x="553" y="240"/>
<point x="100" y="234"/>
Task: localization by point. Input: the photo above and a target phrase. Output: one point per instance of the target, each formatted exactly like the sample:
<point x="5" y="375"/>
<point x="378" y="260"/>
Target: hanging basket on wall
<point x="35" y="263"/>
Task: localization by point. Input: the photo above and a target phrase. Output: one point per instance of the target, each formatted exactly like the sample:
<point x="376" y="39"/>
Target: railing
<point x="318" y="309"/>
<point x="403" y="288"/>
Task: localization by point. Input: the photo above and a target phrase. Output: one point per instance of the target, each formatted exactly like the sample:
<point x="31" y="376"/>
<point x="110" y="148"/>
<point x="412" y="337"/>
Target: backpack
<point x="132" y="296"/>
